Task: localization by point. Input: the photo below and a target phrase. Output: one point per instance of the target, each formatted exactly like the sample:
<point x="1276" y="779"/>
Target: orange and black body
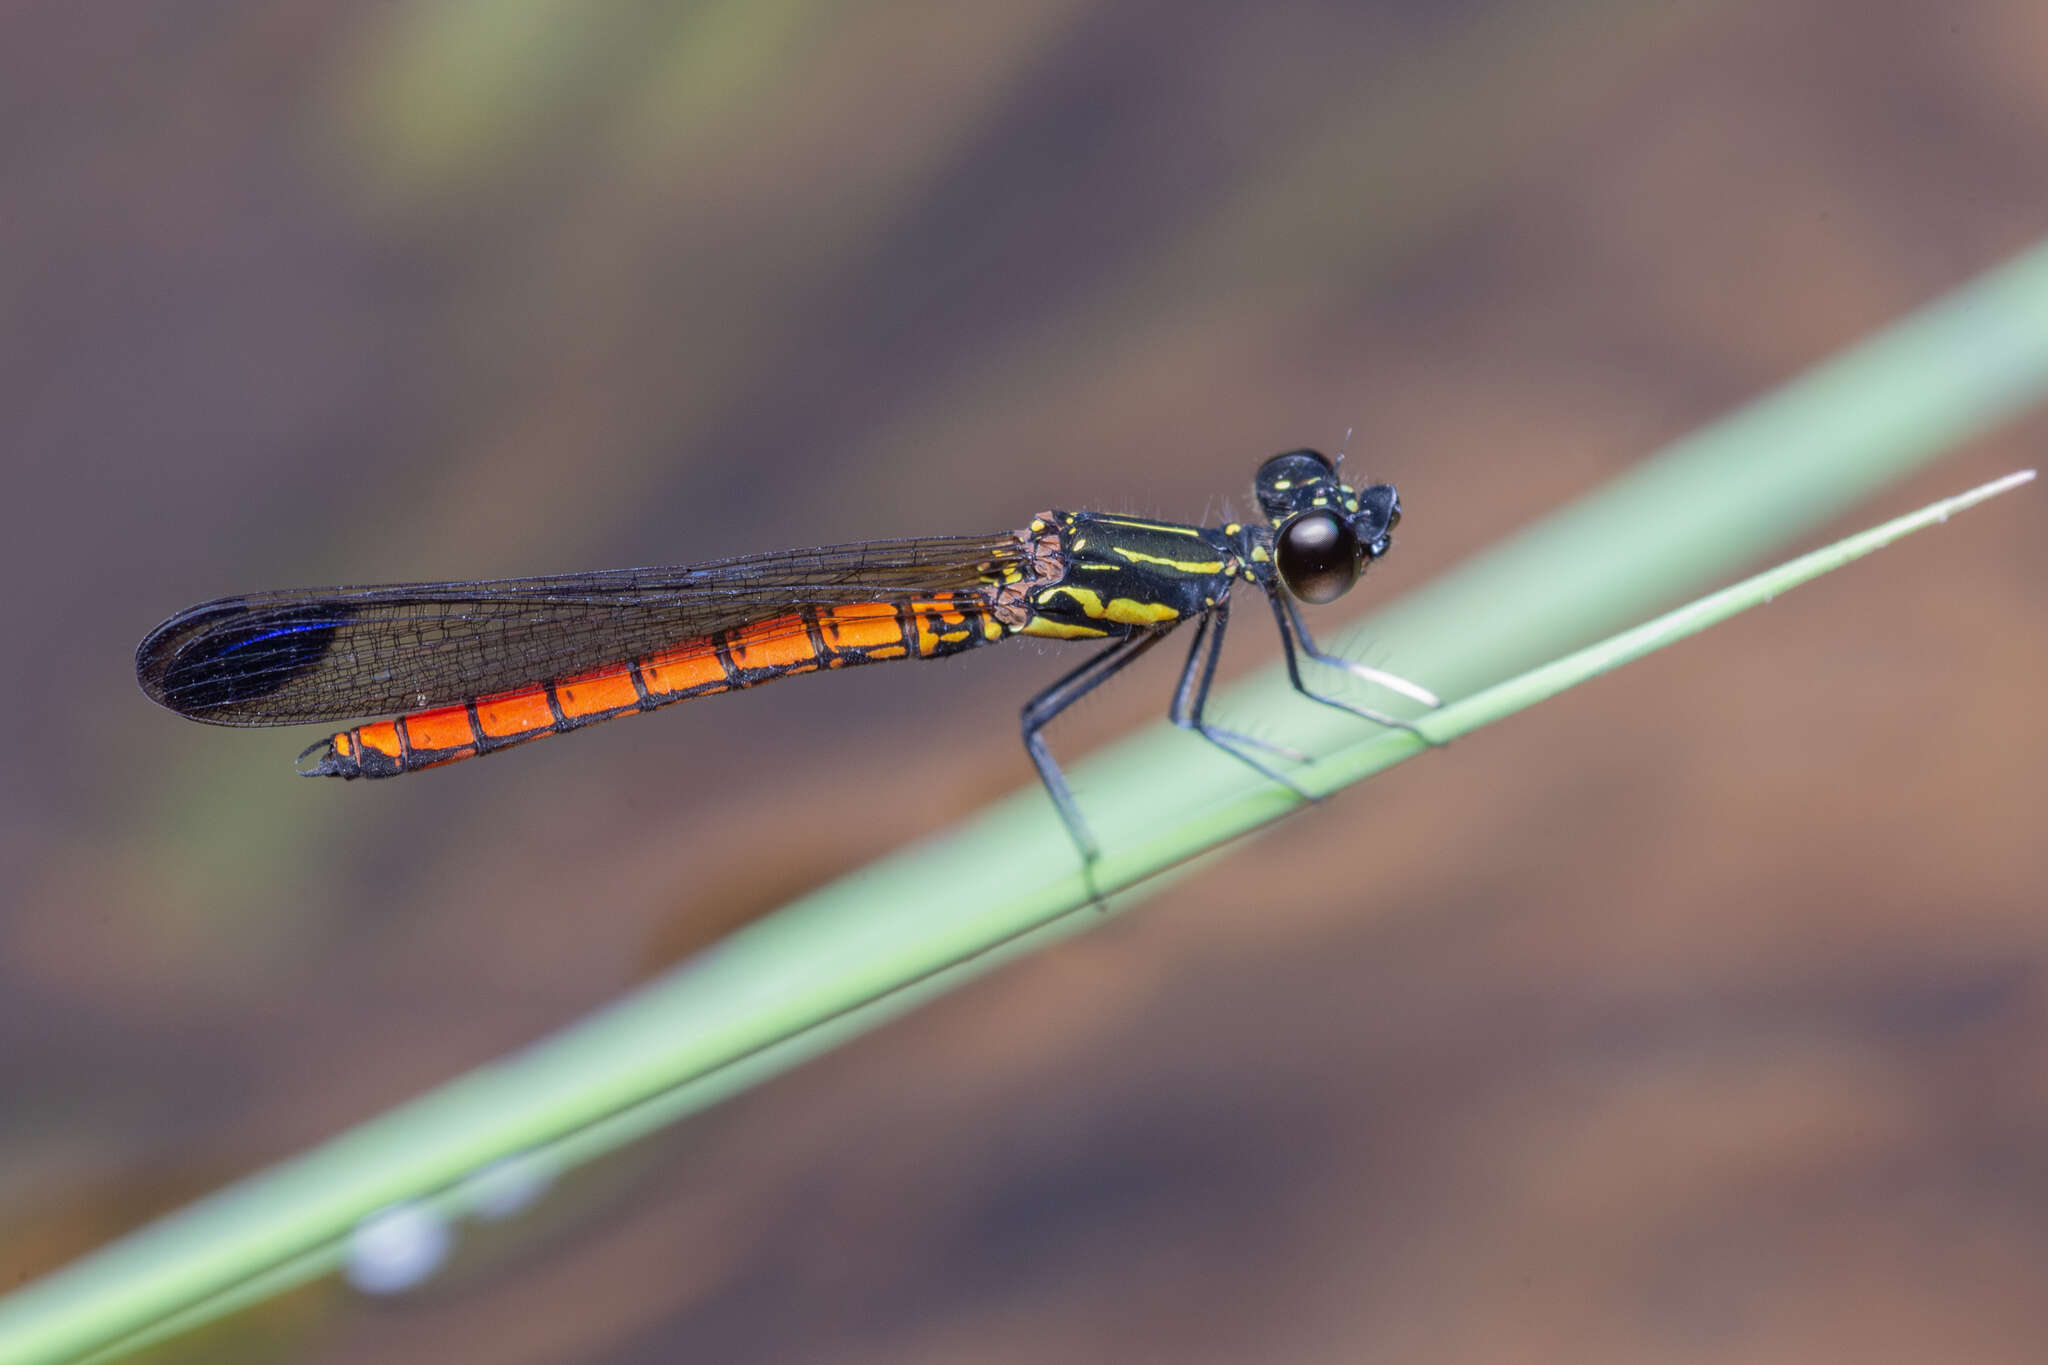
<point x="803" y="641"/>
<point x="465" y="669"/>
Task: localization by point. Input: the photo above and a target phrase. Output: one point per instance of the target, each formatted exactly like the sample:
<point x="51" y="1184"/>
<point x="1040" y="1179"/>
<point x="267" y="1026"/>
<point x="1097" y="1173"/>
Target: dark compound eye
<point x="1317" y="555"/>
<point x="1379" y="512"/>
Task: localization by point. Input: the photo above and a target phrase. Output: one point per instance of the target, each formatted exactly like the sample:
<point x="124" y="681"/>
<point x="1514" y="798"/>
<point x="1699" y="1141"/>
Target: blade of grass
<point x="788" y="1030"/>
<point x="878" y="941"/>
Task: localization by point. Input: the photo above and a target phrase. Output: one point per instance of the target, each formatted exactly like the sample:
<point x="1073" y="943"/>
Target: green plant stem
<point x="783" y="1026"/>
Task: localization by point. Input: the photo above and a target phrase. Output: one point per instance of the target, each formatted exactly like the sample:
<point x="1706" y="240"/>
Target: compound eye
<point x="1317" y="556"/>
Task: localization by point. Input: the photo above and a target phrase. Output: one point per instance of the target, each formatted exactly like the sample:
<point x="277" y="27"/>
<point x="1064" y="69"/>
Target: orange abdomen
<point x="803" y="641"/>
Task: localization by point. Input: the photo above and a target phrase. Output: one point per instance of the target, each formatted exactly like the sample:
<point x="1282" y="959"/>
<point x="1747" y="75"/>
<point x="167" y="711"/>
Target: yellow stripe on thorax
<point x="1125" y="611"/>
<point x="1059" y="630"/>
<point x="1202" y="566"/>
<point x="1149" y="526"/>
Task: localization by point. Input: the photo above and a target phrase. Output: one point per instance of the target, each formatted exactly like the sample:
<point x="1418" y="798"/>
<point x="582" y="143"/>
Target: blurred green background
<point x="1697" y="1016"/>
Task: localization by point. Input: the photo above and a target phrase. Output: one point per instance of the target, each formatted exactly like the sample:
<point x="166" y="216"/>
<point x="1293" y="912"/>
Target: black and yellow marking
<point x="1123" y="576"/>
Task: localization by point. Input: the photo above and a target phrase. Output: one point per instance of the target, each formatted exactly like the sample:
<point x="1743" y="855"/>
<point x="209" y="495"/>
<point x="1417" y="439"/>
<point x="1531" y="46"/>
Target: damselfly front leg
<point x="1288" y="616"/>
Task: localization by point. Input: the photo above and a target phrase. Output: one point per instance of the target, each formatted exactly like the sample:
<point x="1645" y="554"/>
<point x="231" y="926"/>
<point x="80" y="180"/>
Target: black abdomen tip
<point x="327" y="761"/>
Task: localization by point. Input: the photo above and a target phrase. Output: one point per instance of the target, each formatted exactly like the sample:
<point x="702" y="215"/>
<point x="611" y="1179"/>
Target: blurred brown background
<point x="1698" y="1016"/>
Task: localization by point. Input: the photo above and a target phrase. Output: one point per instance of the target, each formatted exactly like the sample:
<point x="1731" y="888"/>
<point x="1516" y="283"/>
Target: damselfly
<point x="475" y="667"/>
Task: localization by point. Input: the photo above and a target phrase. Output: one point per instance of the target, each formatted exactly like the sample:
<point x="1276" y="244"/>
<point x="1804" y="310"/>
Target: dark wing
<point x="333" y="654"/>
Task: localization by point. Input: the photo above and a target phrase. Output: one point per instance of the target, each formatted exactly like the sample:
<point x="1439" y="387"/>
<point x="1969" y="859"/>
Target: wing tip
<point x="219" y="660"/>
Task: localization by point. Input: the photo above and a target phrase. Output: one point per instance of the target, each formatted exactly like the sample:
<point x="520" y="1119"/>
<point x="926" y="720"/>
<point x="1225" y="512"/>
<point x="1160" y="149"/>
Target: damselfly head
<point x="1324" y="532"/>
<point x="1294" y="482"/>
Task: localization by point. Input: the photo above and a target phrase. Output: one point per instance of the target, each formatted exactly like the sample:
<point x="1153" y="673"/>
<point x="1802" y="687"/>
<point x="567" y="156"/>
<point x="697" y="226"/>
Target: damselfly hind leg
<point x="1040" y="711"/>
